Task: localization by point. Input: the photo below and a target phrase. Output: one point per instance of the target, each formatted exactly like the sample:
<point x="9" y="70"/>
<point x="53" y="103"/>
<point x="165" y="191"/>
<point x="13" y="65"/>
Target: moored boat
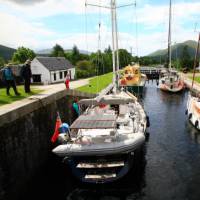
<point x="100" y="144"/>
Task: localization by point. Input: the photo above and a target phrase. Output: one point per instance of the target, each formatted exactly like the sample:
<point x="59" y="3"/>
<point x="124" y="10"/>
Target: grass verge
<point x="4" y="99"/>
<point x="97" y="84"/>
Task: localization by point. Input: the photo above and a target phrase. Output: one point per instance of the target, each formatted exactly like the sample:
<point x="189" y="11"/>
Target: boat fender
<point x="148" y="121"/>
<point x="196" y="124"/>
<point x="190" y="116"/>
<point x="186" y="112"/>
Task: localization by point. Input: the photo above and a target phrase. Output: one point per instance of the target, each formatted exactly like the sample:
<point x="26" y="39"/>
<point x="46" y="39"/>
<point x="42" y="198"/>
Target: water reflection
<point x="193" y="132"/>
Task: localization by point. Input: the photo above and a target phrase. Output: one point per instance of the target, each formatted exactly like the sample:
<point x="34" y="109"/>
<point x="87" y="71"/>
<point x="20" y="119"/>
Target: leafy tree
<point x="22" y="54"/>
<point x="125" y="58"/>
<point x="2" y="62"/>
<point x="185" y="60"/>
<point x="58" y="51"/>
<point x="108" y="50"/>
<point x="75" y="55"/>
<point x="84" y="69"/>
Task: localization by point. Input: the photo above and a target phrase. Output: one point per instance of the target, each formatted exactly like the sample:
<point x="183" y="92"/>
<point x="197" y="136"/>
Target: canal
<point x="169" y="168"/>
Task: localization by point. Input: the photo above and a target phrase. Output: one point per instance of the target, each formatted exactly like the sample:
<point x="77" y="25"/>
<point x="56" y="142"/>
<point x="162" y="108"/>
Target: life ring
<point x="196" y="124"/>
<point x="190" y="116"/>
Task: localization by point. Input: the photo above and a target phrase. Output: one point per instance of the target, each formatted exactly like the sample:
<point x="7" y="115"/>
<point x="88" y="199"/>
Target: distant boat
<point x="132" y="79"/>
<point x="193" y="103"/>
<point x="170" y="81"/>
<point x="105" y="138"/>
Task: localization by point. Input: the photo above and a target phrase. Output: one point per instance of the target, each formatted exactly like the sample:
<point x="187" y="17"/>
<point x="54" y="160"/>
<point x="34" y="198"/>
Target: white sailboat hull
<point x="193" y="111"/>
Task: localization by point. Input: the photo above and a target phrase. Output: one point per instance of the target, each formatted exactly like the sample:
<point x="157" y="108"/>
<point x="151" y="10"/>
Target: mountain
<point x="6" y="52"/>
<point x="177" y="50"/>
<point x="48" y="51"/>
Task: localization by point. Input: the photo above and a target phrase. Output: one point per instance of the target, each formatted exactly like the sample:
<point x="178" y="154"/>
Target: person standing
<point x="26" y="75"/>
<point x="67" y="78"/>
<point x="9" y="79"/>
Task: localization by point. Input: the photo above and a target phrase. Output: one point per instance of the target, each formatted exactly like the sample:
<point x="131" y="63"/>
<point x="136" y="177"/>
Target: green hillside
<point x="6" y="52"/>
<point x="176" y="50"/>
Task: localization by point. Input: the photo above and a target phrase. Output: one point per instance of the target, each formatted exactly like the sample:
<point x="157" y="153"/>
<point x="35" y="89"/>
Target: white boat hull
<point x="193" y="111"/>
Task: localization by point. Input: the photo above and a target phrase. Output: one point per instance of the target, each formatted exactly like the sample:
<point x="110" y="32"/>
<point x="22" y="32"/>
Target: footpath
<point x="47" y="90"/>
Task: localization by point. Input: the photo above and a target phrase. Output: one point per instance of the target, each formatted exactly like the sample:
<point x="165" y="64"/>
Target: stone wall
<point x="25" y="139"/>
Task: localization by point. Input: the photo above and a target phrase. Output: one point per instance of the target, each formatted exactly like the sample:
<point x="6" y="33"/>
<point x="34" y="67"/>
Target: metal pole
<point x="169" y="35"/>
<point x="116" y="43"/>
<point x="112" y="2"/>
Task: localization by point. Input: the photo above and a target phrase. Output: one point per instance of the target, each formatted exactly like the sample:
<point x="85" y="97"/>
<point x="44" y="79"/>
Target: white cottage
<point x="49" y="70"/>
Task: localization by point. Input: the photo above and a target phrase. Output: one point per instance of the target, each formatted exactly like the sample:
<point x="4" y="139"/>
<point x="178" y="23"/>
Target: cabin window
<point x="61" y="75"/>
<point x="54" y="76"/>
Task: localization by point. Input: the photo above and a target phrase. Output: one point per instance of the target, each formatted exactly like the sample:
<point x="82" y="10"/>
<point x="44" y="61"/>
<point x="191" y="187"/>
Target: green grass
<point x="197" y="79"/>
<point x="97" y="84"/>
<point x="4" y="99"/>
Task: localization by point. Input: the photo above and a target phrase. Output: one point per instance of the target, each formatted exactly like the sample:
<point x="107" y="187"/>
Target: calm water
<point x="169" y="169"/>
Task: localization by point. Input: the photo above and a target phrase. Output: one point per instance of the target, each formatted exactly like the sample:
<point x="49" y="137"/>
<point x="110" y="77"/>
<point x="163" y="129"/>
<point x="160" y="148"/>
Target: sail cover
<point x="94" y="122"/>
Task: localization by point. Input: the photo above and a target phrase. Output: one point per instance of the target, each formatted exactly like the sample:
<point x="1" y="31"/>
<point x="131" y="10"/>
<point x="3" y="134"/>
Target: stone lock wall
<point x="25" y="139"/>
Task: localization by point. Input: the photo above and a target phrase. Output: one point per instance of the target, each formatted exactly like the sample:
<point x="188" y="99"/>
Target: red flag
<point x="56" y="132"/>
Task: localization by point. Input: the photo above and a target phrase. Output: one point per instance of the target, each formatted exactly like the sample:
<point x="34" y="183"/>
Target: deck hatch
<point x="94" y="122"/>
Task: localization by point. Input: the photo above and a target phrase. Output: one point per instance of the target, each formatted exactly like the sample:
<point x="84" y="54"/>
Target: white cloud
<point x="17" y="32"/>
<point x="31" y="32"/>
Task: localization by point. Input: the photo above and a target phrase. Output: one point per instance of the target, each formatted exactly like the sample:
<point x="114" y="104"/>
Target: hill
<point x="6" y="52"/>
<point x="48" y="51"/>
<point x="177" y="50"/>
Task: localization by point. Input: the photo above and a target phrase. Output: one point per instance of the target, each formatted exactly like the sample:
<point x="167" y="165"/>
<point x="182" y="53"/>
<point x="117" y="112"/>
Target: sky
<point x="142" y="29"/>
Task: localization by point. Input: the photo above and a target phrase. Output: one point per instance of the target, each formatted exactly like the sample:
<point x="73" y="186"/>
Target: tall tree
<point x="22" y="54"/>
<point x="58" y="51"/>
<point x="75" y="55"/>
<point x="185" y="59"/>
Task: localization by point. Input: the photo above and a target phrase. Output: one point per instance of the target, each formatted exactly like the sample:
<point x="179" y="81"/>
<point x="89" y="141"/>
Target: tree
<point x="22" y="54"/>
<point x="2" y="62"/>
<point x="125" y="58"/>
<point x="108" y="50"/>
<point x="58" y="51"/>
<point x="85" y="69"/>
<point x="75" y="55"/>
<point x="185" y="60"/>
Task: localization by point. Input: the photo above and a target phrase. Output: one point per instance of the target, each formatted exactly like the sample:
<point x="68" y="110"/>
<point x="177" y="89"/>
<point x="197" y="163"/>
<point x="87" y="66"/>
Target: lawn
<point x="97" y="84"/>
<point x="4" y="99"/>
<point x="196" y="78"/>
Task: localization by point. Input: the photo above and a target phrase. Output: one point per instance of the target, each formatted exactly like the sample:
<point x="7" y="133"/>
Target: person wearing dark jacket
<point x="26" y="75"/>
<point x="9" y="80"/>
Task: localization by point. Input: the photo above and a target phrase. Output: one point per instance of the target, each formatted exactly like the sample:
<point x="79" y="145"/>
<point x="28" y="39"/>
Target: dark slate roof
<point x="55" y="63"/>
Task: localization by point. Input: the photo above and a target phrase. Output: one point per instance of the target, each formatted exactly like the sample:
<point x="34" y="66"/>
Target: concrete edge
<point x="35" y="102"/>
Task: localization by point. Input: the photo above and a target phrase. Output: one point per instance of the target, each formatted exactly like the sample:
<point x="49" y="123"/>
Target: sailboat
<point x="170" y="80"/>
<point x="193" y="103"/>
<point x="132" y="79"/>
<point x="104" y="139"/>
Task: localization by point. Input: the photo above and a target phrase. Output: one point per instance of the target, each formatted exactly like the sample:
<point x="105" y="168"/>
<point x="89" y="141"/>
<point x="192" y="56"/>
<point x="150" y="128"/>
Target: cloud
<point x="26" y="2"/>
<point x="17" y="32"/>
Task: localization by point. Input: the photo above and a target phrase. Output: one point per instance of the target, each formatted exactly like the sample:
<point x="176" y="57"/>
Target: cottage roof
<point x="55" y="63"/>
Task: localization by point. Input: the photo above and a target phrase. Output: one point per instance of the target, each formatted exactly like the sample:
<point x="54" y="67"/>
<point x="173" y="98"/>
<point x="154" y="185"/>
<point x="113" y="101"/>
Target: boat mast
<point x="169" y="35"/>
<point x="115" y="53"/>
<point x="195" y="60"/>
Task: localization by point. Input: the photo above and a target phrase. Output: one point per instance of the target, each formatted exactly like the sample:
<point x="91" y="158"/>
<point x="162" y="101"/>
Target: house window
<point x="54" y="76"/>
<point x="61" y="75"/>
<point x="65" y="73"/>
